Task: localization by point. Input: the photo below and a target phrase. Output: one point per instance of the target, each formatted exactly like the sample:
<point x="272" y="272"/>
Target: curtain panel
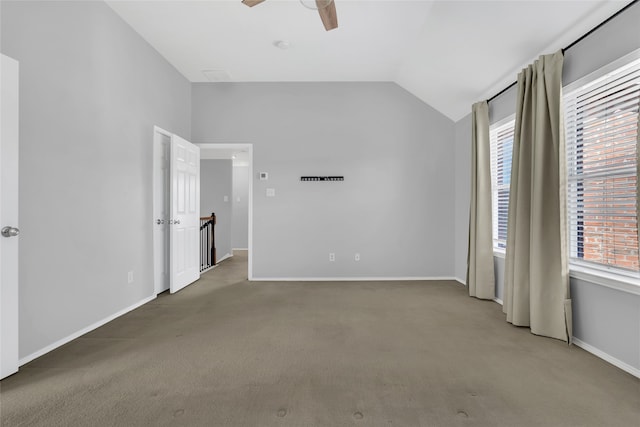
<point x="536" y="290"/>
<point x="480" y="274"/>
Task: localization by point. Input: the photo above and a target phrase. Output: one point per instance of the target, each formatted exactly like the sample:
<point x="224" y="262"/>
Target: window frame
<point x="609" y="276"/>
<point x="494" y="129"/>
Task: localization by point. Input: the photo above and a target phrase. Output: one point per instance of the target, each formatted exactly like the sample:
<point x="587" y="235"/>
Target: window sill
<point x="614" y="281"/>
<point x="618" y="282"/>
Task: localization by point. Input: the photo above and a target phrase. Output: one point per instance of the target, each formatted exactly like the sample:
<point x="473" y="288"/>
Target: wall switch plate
<point x="271" y="192"/>
<point x="130" y="277"/>
<point x="357" y="257"/>
<point x="332" y="257"/>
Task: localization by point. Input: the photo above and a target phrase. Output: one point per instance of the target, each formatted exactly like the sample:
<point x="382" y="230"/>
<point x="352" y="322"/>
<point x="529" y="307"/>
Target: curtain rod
<point x="575" y="42"/>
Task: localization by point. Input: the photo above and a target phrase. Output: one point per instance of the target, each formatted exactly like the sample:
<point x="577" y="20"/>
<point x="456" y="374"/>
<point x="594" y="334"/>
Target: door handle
<point x="159" y="221"/>
<point x="177" y="221"/>
<point x="10" y="232"/>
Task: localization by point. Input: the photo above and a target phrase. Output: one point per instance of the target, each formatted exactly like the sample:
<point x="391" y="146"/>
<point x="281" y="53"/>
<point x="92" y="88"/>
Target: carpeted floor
<point x="226" y="352"/>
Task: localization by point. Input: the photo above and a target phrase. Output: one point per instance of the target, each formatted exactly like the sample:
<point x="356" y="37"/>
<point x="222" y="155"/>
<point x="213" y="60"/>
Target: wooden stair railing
<point x="207" y="242"/>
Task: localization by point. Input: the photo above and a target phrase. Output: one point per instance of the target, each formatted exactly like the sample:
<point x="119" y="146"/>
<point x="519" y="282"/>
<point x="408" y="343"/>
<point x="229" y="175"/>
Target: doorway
<point x="241" y="155"/>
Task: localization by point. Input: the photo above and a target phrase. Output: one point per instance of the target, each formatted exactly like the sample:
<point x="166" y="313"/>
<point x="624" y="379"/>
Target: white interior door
<point x="161" y="214"/>
<point x="8" y="217"/>
<point x="185" y="213"/>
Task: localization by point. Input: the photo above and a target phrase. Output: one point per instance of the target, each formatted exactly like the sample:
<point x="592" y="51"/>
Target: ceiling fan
<point x="326" y="9"/>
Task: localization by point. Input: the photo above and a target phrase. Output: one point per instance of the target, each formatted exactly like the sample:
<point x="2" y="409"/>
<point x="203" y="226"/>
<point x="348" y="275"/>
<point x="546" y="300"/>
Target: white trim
<point x="239" y="249"/>
<point x="83" y="331"/>
<point x="227" y="255"/>
<point x="498" y="136"/>
<point x="499" y="254"/>
<point x="156" y="132"/>
<point x="350" y="279"/>
<point x="461" y="281"/>
<point x="599" y="353"/>
<point x="607" y="357"/>
<point x="618" y="282"/>
<point x="613" y="281"/>
<point x="250" y="207"/>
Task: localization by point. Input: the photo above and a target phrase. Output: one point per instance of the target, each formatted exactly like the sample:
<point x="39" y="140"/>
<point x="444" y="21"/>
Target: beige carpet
<point x="226" y="352"/>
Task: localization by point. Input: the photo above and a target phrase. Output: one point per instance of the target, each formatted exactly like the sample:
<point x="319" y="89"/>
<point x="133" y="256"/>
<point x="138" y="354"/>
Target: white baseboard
<point x="607" y="357"/>
<point x="462" y="281"/>
<point x="599" y="353"/>
<point x="83" y="331"/>
<point x="239" y="249"/>
<point x="225" y="256"/>
<point x="348" y="279"/>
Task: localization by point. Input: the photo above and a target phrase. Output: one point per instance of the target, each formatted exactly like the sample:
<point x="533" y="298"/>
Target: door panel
<point x="161" y="212"/>
<point x="185" y="213"/>
<point x="8" y="216"/>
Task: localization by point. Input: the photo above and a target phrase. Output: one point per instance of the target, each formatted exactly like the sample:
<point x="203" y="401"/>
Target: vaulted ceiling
<point x="447" y="53"/>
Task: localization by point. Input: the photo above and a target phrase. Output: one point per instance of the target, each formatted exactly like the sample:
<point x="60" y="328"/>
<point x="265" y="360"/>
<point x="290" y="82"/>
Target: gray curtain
<point x="480" y="275"/>
<point x="536" y="290"/>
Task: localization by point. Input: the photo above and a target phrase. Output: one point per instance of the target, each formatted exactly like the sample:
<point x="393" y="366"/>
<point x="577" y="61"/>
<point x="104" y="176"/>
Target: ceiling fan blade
<point x="252" y="3"/>
<point x="328" y="14"/>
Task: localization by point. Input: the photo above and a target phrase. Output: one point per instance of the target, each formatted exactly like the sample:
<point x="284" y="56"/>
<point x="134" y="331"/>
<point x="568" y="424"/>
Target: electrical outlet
<point x="130" y="277"/>
<point x="357" y="257"/>
<point x="332" y="257"/>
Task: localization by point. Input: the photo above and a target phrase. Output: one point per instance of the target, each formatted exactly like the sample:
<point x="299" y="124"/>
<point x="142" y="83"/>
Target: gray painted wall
<point x="611" y="41"/>
<point x="91" y="91"/>
<point x="604" y="318"/>
<point x="240" y="208"/>
<point x="607" y="319"/>
<point x="395" y="152"/>
<point x="215" y="185"/>
<point x="462" y="145"/>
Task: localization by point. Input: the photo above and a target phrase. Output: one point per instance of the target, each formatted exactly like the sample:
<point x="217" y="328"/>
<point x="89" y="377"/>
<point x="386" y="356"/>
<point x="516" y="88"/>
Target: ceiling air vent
<point x="217" y="75"/>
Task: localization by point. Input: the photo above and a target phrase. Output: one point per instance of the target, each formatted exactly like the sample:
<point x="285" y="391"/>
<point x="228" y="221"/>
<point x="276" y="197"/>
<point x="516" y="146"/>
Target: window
<point x="601" y="122"/>
<point x="501" y="136"/>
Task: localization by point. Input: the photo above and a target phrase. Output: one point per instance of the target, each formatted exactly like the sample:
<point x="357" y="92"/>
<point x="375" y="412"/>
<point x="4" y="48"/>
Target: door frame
<point x="157" y="133"/>
<point x="249" y="148"/>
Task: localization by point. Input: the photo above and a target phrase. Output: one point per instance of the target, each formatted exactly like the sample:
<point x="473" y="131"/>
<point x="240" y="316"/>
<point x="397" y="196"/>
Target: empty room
<point x="319" y="213"/>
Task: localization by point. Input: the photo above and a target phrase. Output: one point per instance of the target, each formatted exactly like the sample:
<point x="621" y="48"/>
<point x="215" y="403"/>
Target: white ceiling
<point x="450" y="53"/>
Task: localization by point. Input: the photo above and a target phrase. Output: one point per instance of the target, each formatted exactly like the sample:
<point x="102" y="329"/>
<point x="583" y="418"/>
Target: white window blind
<point x="501" y="136"/>
<point x="601" y="122"/>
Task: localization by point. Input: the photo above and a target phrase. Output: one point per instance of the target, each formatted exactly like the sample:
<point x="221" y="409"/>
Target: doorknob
<point x="10" y="232"/>
<point x="159" y="221"/>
